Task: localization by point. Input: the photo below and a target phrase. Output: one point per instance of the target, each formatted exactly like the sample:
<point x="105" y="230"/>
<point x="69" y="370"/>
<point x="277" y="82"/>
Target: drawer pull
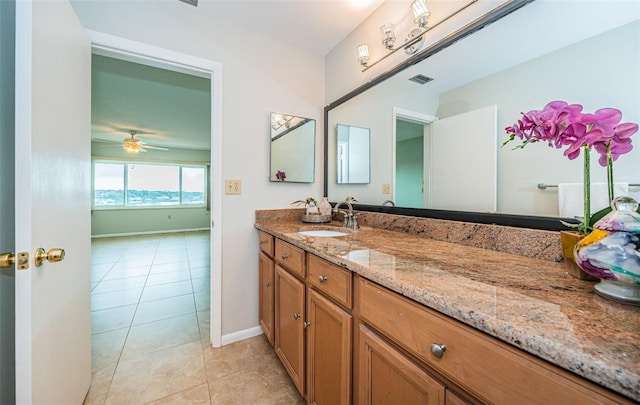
<point x="285" y="256"/>
<point x="322" y="279"/>
<point x="262" y="241"/>
<point x="438" y="349"/>
<point x="296" y="315"/>
<point x="267" y="284"/>
<point x="306" y="324"/>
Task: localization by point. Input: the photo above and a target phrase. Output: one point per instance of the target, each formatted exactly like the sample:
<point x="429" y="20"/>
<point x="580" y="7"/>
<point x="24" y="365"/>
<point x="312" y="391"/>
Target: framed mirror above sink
<point x="529" y="67"/>
<point x="292" y="150"/>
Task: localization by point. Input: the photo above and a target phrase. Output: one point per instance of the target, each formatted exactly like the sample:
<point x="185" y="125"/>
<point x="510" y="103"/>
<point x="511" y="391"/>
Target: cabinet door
<point x="266" y="296"/>
<point x="386" y="376"/>
<point x="329" y="335"/>
<point x="289" y="342"/>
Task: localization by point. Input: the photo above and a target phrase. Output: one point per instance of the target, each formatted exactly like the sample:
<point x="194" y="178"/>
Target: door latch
<point x="9" y="259"/>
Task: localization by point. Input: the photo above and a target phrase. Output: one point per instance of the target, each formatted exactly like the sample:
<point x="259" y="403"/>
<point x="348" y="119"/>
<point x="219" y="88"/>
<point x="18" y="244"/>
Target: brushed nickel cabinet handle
<point x="322" y="278"/>
<point x="438" y="349"/>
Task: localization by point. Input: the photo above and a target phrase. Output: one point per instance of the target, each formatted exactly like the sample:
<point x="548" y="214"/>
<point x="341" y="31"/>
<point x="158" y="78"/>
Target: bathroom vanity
<point x="380" y="316"/>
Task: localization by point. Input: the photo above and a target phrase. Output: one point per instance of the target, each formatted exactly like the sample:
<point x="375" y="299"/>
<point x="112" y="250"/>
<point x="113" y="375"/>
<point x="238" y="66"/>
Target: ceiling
<point x="171" y="109"/>
<point x="315" y="25"/>
<point x="165" y="108"/>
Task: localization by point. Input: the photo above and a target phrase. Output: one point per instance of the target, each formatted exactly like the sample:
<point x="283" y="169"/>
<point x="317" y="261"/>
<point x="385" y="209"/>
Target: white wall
<point x="255" y="81"/>
<point x="7" y="210"/>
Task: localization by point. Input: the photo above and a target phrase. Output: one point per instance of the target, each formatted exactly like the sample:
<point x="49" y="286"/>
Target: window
<point x="119" y="184"/>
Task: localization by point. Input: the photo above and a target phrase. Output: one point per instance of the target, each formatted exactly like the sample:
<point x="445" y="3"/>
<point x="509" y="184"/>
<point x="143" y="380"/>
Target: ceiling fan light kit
<point x="134" y="146"/>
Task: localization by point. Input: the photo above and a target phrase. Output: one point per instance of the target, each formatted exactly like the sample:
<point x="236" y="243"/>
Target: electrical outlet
<point x="232" y="186"/>
<point x="386" y="188"/>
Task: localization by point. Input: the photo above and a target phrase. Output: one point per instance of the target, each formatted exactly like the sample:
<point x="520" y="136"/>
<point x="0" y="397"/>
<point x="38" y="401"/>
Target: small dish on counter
<point x="316" y="219"/>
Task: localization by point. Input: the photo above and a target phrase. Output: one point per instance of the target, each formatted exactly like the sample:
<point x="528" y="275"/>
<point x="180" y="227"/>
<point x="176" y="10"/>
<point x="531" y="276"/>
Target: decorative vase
<point x="612" y="252"/>
<point x="569" y="240"/>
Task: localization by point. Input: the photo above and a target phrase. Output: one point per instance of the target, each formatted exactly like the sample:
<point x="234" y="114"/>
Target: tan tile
<point x="167" y="267"/>
<point x="114" y="299"/>
<point x="236" y="357"/>
<point x="264" y="382"/>
<point x="168" y="277"/>
<point x="119" y="271"/>
<point x="119" y="284"/>
<point x="164" y="308"/>
<point x="204" y="323"/>
<point x="155" y="375"/>
<point x="112" y="318"/>
<point x="100" y="382"/>
<point x="194" y="396"/>
<point x="157" y="292"/>
<point x="106" y="348"/>
<point x="203" y="300"/>
<point x="161" y="334"/>
<point x="201" y="284"/>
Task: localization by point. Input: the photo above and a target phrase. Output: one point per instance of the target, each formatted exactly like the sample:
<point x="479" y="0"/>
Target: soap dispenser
<point x="325" y="207"/>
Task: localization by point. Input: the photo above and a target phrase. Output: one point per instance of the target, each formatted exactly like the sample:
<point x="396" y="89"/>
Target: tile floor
<point x="150" y="336"/>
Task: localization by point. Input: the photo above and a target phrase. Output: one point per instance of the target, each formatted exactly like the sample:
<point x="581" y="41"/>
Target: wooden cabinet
<point x="290" y="257"/>
<point x="388" y="377"/>
<point x="481" y="365"/>
<point x="289" y="327"/>
<point x="329" y="337"/>
<point x="266" y="293"/>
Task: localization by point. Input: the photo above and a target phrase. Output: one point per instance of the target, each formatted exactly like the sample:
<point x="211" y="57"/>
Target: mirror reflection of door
<point x="410" y="163"/>
<point x="353" y="150"/>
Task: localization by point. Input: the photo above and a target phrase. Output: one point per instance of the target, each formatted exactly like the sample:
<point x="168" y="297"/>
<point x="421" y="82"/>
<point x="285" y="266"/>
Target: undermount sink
<point x="323" y="233"/>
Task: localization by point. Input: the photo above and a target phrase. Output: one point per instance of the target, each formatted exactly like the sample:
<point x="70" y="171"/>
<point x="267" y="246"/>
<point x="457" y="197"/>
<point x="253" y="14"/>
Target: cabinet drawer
<point x="332" y="280"/>
<point x="487" y="368"/>
<point x="266" y="243"/>
<point x="290" y="257"/>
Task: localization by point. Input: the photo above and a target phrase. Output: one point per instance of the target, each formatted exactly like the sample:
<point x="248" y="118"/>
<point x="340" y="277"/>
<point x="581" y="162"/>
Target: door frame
<point x="133" y="51"/>
<point x="407" y="115"/>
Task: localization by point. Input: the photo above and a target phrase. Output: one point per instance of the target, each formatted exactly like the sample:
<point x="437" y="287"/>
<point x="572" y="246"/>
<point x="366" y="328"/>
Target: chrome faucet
<point x="391" y="203"/>
<point x="350" y="220"/>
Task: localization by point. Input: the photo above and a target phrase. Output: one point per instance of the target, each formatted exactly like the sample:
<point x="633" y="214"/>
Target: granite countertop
<point x="529" y="303"/>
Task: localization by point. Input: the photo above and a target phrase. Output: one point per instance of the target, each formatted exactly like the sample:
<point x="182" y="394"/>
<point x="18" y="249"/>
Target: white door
<point x="463" y="161"/>
<point x="53" y="104"/>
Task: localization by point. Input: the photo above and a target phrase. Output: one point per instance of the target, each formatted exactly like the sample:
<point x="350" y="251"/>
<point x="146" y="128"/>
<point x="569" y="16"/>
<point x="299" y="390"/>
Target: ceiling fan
<point x="134" y="146"/>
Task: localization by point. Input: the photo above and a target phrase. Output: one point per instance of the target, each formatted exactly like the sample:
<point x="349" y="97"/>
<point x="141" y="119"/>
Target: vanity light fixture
<point x="363" y="54"/>
<point x="280" y="120"/>
<point x="415" y="38"/>
<point x="388" y="36"/>
<point x="420" y="12"/>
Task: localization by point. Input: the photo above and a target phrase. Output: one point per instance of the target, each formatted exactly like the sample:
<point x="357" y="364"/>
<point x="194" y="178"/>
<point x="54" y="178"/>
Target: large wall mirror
<point x="506" y="61"/>
<point x="292" y="151"/>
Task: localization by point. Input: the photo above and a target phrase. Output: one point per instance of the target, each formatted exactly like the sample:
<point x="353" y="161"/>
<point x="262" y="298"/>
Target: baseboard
<point x="112" y="235"/>
<point x="241" y="335"/>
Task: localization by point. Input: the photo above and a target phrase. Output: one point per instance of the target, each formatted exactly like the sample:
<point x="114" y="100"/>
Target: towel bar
<point x="543" y="186"/>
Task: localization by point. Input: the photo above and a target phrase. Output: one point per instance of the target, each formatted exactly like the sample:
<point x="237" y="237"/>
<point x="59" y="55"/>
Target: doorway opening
<point x="411" y="157"/>
<point x="131" y="51"/>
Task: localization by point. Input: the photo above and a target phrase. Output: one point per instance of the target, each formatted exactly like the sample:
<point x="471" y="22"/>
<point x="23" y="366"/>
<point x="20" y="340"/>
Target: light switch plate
<point x="386" y="188"/>
<point x="232" y="186"/>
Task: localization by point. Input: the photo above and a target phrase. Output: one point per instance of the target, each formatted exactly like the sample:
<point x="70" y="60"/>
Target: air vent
<point x="421" y="79"/>
<point x="194" y="3"/>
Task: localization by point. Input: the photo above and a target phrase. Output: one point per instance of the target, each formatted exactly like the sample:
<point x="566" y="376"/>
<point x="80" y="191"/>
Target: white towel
<point x="571" y="197"/>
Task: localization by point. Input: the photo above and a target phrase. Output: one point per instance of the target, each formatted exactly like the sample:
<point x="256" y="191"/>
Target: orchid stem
<point x="610" y="172"/>
<point x="587" y="190"/>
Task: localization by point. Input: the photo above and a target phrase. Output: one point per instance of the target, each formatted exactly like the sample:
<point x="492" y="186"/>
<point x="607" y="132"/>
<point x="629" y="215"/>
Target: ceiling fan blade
<point x="107" y="141"/>
<point x="155" y="147"/>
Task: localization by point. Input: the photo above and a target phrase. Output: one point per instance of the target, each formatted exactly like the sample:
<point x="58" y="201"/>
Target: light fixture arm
<point x="414" y="37"/>
<point x="405" y="45"/>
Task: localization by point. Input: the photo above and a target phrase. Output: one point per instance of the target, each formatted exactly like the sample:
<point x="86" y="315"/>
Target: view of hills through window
<point x="139" y="185"/>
